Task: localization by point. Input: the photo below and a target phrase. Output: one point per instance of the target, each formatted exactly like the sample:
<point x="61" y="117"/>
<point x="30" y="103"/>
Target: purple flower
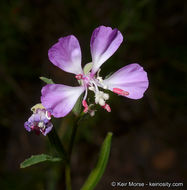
<point x="39" y="122"/>
<point x="130" y="81"/>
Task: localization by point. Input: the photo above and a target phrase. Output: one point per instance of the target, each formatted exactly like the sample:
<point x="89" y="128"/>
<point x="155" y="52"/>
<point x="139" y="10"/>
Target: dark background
<point x="149" y="141"/>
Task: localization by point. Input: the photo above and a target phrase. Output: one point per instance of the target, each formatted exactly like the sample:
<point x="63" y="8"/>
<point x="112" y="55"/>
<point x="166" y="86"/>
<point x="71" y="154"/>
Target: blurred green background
<point x="149" y="142"/>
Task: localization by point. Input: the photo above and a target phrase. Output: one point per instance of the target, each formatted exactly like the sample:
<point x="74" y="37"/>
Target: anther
<point x="101" y="102"/>
<point x="105" y="96"/>
<point x="85" y="105"/>
<point x="120" y="92"/>
<point x="107" y="107"/>
<point x="100" y="79"/>
<point x="91" y="88"/>
<point x="79" y="76"/>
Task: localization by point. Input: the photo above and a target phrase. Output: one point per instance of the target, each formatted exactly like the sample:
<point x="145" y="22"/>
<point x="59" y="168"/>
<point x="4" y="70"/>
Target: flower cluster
<point x="39" y="122"/>
<point x="130" y="81"/>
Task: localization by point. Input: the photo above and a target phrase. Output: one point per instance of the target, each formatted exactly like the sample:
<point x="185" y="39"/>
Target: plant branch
<point x="73" y="135"/>
<point x="56" y="143"/>
<point x="68" y="177"/>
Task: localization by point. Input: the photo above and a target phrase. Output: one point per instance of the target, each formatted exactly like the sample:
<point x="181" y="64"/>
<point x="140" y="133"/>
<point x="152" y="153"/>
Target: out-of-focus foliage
<point x="149" y="134"/>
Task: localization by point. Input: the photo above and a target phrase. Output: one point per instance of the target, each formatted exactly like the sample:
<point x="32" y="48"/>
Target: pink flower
<point x="39" y="122"/>
<point x="130" y="81"/>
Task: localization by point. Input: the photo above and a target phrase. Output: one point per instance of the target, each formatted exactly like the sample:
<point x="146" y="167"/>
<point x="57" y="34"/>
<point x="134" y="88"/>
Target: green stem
<point x="73" y="135"/>
<point x="56" y="143"/>
<point x="68" y="177"/>
<point x="72" y="140"/>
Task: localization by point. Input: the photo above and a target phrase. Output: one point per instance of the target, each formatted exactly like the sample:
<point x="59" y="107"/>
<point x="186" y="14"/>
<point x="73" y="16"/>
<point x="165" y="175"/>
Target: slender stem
<point x="55" y="141"/>
<point x="68" y="177"/>
<point x="73" y="135"/>
<point x="72" y="140"/>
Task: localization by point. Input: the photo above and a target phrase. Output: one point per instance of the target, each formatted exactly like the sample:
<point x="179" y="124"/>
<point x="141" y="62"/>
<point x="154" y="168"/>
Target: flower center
<point x="93" y="83"/>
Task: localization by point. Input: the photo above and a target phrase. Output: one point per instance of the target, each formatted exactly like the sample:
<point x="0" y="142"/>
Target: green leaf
<point x="46" y="80"/>
<point x="98" y="171"/>
<point x="35" y="159"/>
<point x="78" y="106"/>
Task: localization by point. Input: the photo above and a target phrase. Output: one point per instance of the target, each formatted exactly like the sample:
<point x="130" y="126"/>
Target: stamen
<point x="107" y="107"/>
<point x="85" y="105"/>
<point x="93" y="83"/>
<point x="98" y="72"/>
<point x="86" y="93"/>
<point x="120" y="92"/>
<point x="79" y="76"/>
<point x="101" y="102"/>
<point x="91" y="88"/>
<point x="105" y="96"/>
<point x="48" y="115"/>
<point x="100" y="79"/>
<point x="96" y="87"/>
<point x="97" y="99"/>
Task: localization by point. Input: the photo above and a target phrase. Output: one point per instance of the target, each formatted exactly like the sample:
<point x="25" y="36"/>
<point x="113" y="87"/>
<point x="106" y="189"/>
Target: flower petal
<point x="132" y="79"/>
<point x="59" y="99"/>
<point x="48" y="128"/>
<point x="27" y="126"/>
<point x="66" y="54"/>
<point x="104" y="42"/>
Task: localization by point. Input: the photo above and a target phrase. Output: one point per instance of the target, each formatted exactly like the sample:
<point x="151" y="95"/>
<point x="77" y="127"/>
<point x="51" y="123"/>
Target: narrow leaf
<point x="98" y="171"/>
<point x="46" y="80"/>
<point x="35" y="159"/>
